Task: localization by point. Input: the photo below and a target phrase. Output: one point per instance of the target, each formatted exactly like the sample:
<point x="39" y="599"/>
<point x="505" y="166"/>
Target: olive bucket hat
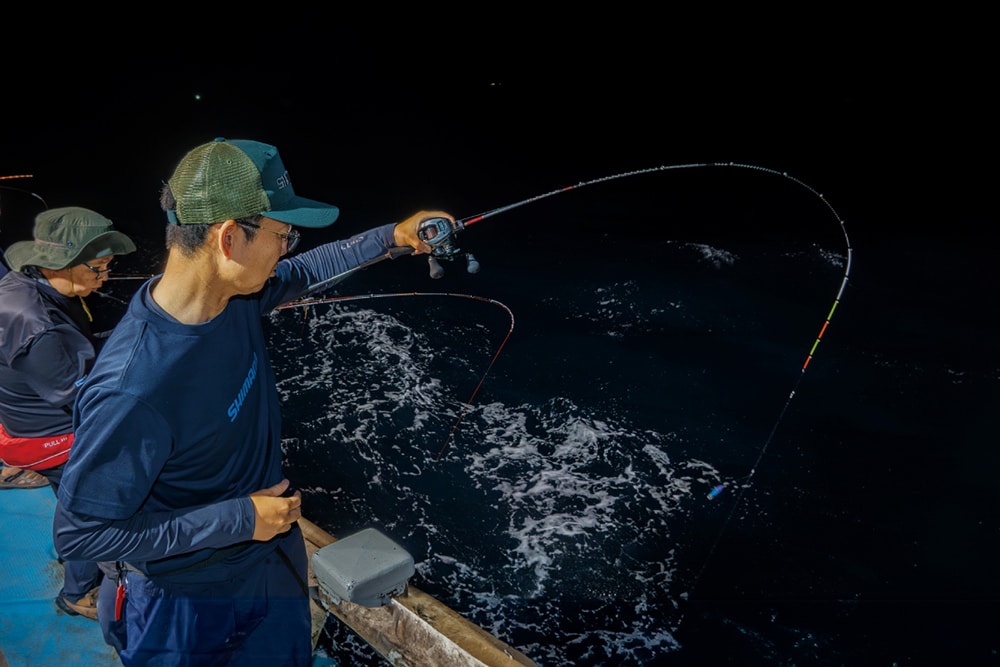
<point x="68" y="236"/>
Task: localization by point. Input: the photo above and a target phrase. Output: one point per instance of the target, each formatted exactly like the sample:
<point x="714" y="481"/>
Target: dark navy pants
<point x="258" y="616"/>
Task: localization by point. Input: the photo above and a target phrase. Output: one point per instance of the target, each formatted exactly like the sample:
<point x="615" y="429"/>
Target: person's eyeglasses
<point x="106" y="270"/>
<point x="291" y="238"/>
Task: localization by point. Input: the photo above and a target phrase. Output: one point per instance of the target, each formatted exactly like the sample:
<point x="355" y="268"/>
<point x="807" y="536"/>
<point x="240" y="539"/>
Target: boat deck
<point x="33" y="631"/>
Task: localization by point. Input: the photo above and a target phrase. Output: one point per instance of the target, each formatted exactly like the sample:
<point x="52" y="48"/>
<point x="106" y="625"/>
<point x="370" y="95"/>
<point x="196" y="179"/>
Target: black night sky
<point x="895" y="131"/>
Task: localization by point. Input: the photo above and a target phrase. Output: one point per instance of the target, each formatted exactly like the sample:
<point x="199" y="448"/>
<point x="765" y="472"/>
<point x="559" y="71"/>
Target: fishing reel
<point x="439" y="234"/>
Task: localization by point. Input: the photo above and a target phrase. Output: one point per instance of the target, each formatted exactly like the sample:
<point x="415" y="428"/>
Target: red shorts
<point x="34" y="453"/>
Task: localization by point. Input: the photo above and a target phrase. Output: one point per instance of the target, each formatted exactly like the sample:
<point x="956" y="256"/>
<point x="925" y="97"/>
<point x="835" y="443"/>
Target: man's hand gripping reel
<point x="439" y="234"/>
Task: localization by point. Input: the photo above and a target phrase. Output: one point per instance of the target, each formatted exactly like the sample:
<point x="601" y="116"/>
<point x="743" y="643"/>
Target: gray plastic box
<point x="366" y="568"/>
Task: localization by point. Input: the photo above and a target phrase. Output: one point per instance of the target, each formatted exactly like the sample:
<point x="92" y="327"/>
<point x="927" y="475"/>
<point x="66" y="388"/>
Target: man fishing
<point x="176" y="471"/>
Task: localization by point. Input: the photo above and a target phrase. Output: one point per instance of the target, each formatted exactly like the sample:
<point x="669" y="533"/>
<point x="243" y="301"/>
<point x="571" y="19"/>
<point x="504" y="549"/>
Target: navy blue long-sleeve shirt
<point x="46" y="347"/>
<point x="177" y="425"/>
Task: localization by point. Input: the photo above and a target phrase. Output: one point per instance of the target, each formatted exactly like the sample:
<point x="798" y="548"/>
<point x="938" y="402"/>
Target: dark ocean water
<point x="569" y="514"/>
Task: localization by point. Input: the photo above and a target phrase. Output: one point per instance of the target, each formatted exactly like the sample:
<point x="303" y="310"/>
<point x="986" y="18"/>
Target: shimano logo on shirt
<point x="234" y="407"/>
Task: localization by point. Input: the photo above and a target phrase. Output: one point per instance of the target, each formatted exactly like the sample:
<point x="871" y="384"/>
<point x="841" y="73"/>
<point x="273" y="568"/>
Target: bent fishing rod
<point x="440" y="234"/>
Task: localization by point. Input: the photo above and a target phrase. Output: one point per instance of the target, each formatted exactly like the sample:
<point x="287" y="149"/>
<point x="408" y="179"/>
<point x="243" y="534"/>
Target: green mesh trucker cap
<point x="228" y="180"/>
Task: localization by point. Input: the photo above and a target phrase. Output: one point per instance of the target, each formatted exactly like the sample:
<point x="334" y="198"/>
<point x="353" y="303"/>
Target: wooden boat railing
<point x="415" y="628"/>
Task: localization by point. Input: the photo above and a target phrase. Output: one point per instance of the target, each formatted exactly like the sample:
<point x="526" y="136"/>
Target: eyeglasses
<point x="106" y="270"/>
<point x="291" y="238"/>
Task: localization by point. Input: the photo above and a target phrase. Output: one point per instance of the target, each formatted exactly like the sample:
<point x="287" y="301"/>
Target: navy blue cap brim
<point x="306" y="213"/>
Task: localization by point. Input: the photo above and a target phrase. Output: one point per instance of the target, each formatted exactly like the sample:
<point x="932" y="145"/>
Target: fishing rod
<point x="441" y="233"/>
<point x="124" y="276"/>
<point x="27" y="192"/>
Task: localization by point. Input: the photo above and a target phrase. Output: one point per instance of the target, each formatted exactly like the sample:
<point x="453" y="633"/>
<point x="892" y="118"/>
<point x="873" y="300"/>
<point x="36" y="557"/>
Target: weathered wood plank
<point x="415" y="629"/>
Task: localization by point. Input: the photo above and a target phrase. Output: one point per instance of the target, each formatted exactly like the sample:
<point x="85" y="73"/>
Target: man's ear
<point x="226" y="238"/>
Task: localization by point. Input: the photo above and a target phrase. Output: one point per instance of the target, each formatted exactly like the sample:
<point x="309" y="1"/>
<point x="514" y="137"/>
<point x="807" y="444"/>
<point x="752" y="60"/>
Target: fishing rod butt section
<point x="403" y="251"/>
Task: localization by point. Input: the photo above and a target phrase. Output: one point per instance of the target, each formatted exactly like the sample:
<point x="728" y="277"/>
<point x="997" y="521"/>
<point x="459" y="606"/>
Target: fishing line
<point x="465" y="222"/>
<point x="440" y="233"/>
<point x="745" y="481"/>
<point x="306" y="303"/>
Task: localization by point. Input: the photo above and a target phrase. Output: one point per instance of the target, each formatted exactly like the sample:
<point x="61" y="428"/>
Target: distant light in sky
<point x="197" y="97"/>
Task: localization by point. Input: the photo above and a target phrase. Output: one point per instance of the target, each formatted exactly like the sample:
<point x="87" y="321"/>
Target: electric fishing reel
<point x="439" y="234"/>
